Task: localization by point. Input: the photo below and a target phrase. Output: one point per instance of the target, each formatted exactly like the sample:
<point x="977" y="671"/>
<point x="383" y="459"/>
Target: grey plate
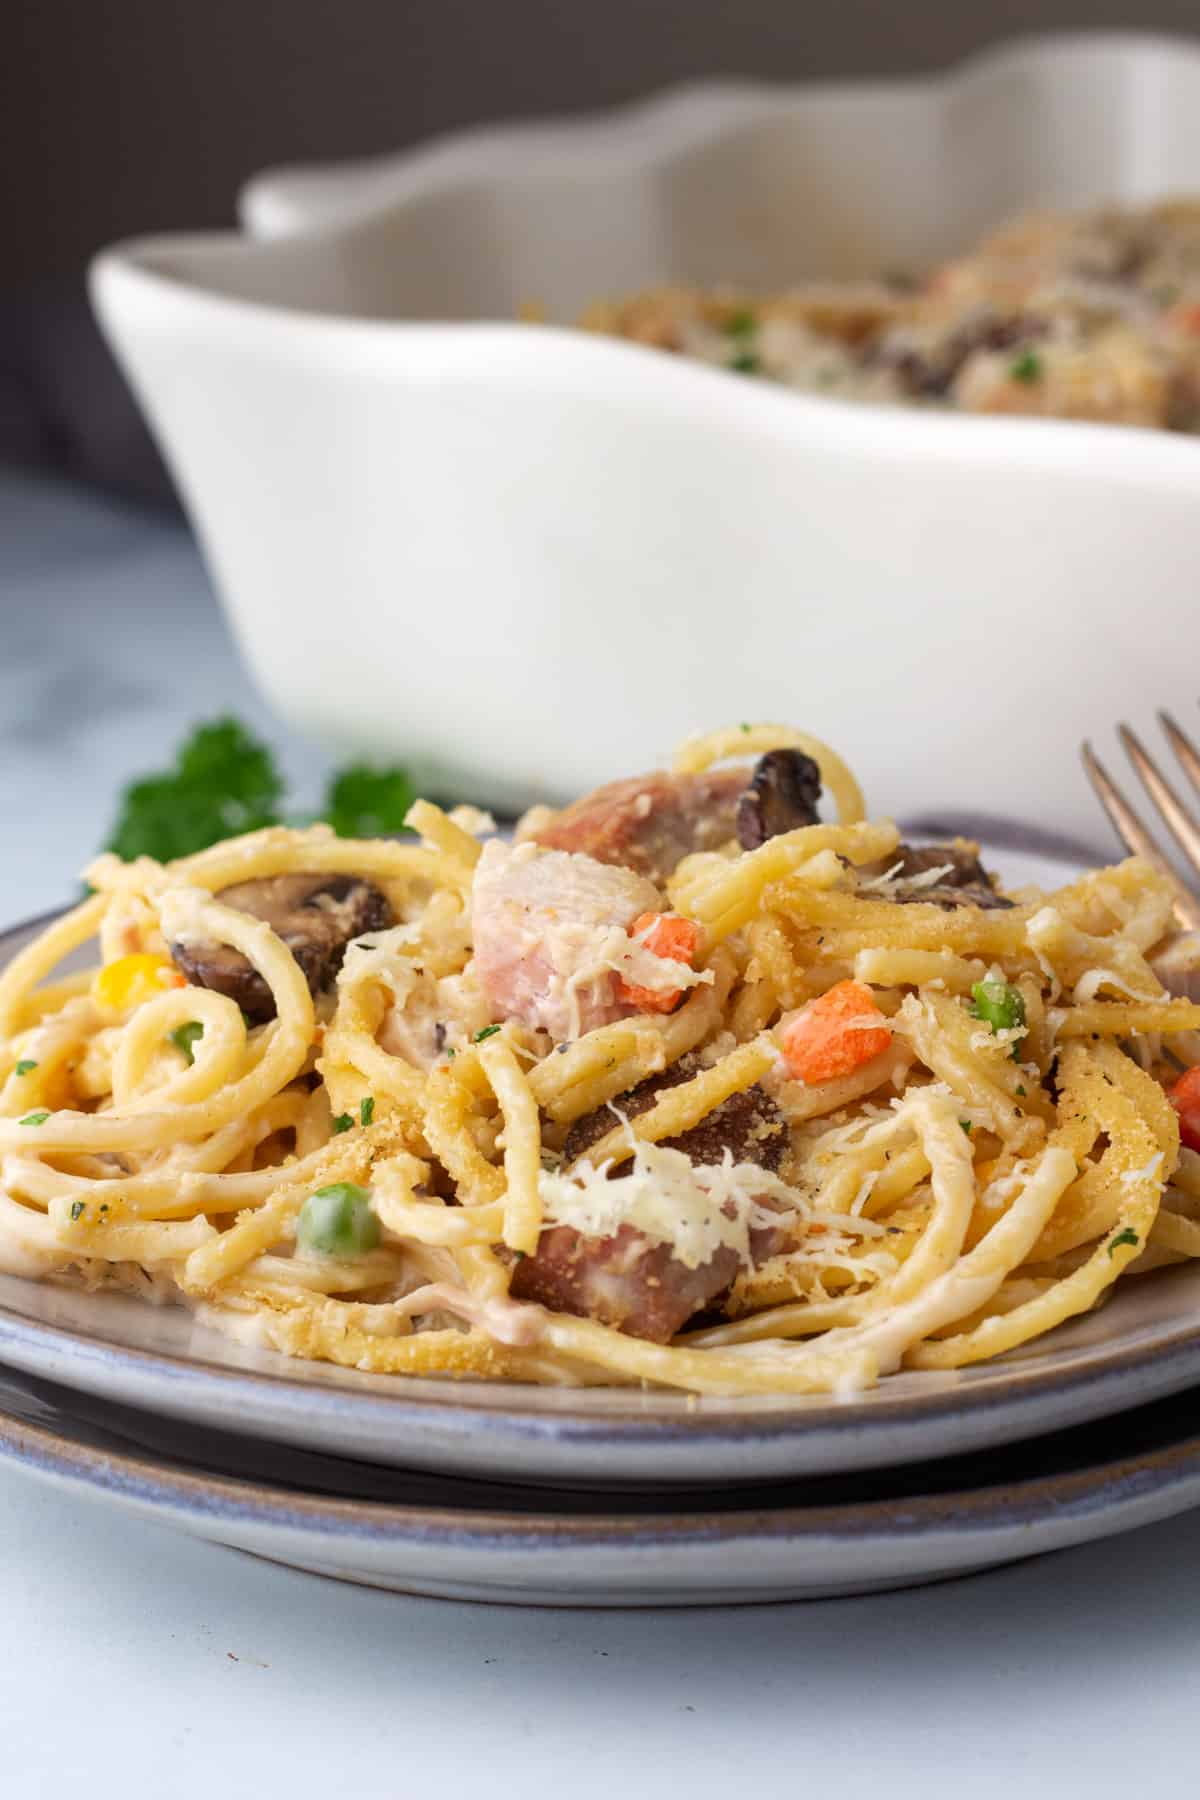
<point x="468" y="1540"/>
<point x="1145" y="1344"/>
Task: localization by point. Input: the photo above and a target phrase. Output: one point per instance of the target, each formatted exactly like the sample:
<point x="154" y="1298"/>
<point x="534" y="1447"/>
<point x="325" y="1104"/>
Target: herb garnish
<point x="487" y="1032"/>
<point x="746" y="363"/>
<point x="78" y="1208"/>
<point x="35" y="1118"/>
<point x="364" y="802"/>
<point x="26" y="1066"/>
<point x="343" y="1122"/>
<point x="1128" y="1236"/>
<point x="741" y="323"/>
<point x="1027" y="367"/>
<point x="224" y="781"/>
<point x="366" y="1110"/>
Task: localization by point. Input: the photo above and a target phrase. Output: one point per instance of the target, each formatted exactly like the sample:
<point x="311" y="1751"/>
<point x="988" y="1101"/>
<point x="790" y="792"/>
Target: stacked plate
<point x="606" y="1498"/>
<point x="609" y="1497"/>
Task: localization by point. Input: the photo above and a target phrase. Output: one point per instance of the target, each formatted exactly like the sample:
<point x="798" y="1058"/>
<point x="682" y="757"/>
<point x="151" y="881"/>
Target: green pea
<point x="998" y="1004"/>
<point x="338" y="1221"/>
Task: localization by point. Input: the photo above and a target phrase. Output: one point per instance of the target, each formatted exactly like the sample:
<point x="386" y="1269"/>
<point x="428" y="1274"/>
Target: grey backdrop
<point x="122" y="116"/>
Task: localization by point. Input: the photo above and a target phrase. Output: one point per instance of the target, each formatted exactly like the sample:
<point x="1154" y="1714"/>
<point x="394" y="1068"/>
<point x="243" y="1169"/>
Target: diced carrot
<point x="1185" y="1098"/>
<point x="668" y="935"/>
<point x="834" y="1035"/>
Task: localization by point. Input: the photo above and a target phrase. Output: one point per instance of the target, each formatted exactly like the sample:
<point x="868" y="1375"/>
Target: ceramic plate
<point x="470" y="1540"/>
<point x="1145" y="1344"/>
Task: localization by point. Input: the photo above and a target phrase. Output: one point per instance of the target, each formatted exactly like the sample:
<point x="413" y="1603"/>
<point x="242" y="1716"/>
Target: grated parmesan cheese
<point x="1092" y="980"/>
<point x="1148" y="1173"/>
<point x="698" y="1209"/>
<point x="893" y="876"/>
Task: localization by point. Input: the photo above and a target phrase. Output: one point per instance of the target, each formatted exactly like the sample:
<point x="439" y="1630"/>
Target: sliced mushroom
<point x="749" y="1125"/>
<point x="783" y="794"/>
<point x="965" y="882"/>
<point x="315" y="915"/>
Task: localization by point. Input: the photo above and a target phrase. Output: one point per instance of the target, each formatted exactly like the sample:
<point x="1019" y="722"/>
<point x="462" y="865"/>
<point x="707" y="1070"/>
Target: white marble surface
<point x="139" y="1665"/>
<point x="112" y="647"/>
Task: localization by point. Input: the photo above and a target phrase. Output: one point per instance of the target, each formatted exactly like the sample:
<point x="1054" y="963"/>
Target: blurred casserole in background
<point x="1094" y="315"/>
<point x="514" y="556"/>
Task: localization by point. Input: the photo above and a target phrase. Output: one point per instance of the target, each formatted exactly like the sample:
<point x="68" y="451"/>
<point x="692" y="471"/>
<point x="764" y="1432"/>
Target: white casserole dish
<point x="525" y="558"/>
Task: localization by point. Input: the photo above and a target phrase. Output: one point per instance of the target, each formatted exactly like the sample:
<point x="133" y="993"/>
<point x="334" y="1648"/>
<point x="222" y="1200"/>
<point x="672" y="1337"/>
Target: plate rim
<point x="499" y="1404"/>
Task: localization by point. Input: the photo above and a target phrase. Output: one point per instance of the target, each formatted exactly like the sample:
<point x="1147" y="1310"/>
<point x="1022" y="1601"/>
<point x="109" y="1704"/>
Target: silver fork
<point x="1178" y="817"/>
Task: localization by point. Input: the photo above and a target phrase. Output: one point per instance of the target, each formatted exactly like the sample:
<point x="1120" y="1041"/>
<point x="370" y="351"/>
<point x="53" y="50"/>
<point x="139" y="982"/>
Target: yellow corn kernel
<point x="120" y="986"/>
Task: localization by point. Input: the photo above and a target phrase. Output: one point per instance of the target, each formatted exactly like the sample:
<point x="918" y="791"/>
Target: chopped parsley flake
<point x="343" y="1122"/>
<point x="740" y="324"/>
<point x="1021" y="1089"/>
<point x="487" y="1032"/>
<point x="1128" y="1236"/>
<point x="184" y="1036"/>
<point x="451" y="1054"/>
<point x="966" y="1125"/>
<point x="1027" y="367"/>
<point x="366" y="1110"/>
<point x="746" y="363"/>
<point x="26" y="1066"/>
<point x="35" y="1118"/>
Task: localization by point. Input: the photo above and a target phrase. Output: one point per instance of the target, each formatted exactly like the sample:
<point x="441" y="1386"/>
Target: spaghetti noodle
<point x="781" y="1113"/>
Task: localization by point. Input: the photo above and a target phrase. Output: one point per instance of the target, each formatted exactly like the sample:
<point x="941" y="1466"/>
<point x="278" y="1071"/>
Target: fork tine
<point x="1126" y="823"/>
<point x="1180" y="822"/>
<point x="1136" y="838"/>
<point x="1182" y="745"/>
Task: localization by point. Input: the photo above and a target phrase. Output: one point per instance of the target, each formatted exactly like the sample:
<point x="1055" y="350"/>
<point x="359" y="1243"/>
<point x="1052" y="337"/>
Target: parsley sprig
<point x="224" y="781"/>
